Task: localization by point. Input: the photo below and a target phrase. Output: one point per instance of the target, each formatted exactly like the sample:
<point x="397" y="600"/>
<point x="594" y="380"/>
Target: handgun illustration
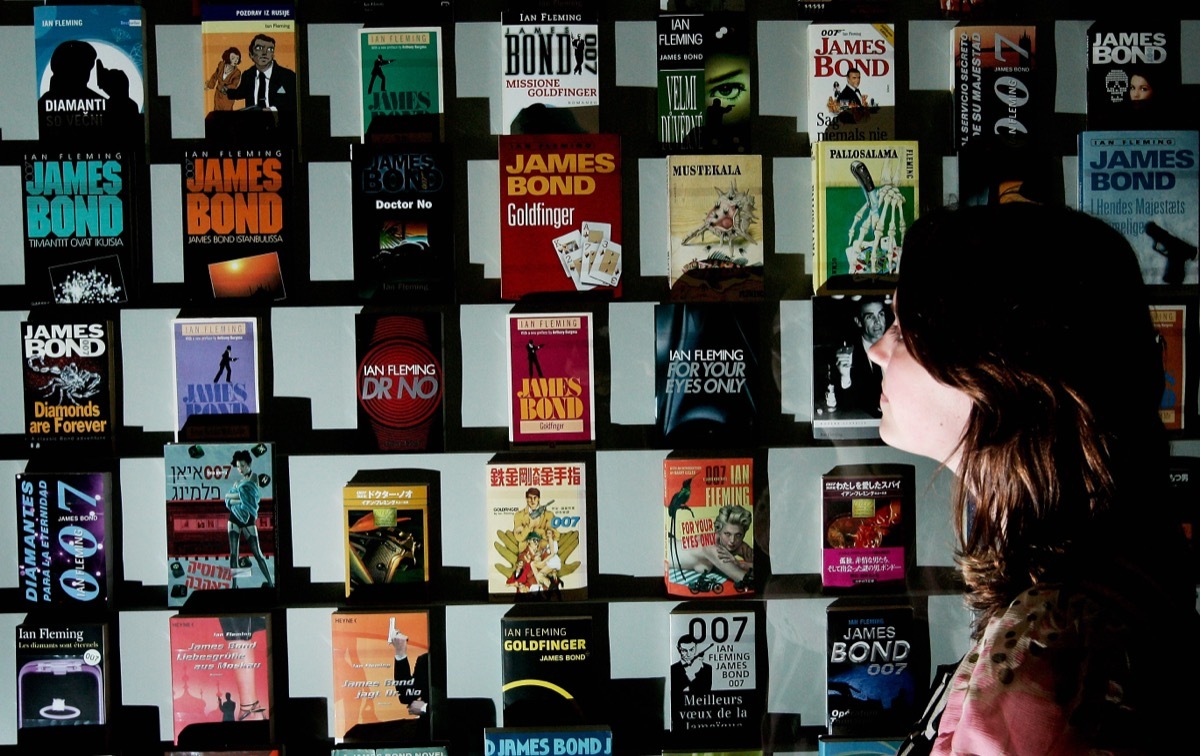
<point x="1176" y="250"/>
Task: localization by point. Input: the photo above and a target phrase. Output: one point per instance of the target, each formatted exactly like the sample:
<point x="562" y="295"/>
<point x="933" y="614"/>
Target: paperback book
<point x="386" y="516"/>
<point x="550" y="80"/>
<point x="994" y="86"/>
<point x="69" y="381"/>
<point x="551" y="379"/>
<point x="538" y="513"/>
<point x="867" y="511"/>
<point x="828" y="745"/>
<point x="552" y="672"/>
<point x="64" y="538"/>
<point x="90" y="70"/>
<point x="851" y="82"/>
<point x="1170" y="323"/>
<point x="221" y="518"/>
<point x="409" y="59"/>
<point x="62" y="674"/>
<point x="704" y="91"/>
<point x="403" y="222"/>
<point x="592" y="740"/>
<point x="401" y="381"/>
<point x="80" y="223"/>
<point x="216" y="367"/>
<point x="220" y="673"/>
<point x="1133" y="75"/>
<point x="381" y="676"/>
<point x="717" y="689"/>
<point x="1145" y="184"/>
<point x="708" y="526"/>
<point x="236" y="222"/>
<point x="707" y="374"/>
<point x="847" y="387"/>
<point x="560" y="214"/>
<point x="715" y="250"/>
<point x="865" y="197"/>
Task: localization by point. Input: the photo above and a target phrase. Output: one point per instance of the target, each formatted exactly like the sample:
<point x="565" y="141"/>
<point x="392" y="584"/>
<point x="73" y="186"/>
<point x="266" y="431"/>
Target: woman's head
<point x="232" y="56"/>
<point x="1140" y="88"/>
<point x="732" y="523"/>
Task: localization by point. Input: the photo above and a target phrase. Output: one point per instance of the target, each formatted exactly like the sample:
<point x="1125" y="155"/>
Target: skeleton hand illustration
<point x="877" y="232"/>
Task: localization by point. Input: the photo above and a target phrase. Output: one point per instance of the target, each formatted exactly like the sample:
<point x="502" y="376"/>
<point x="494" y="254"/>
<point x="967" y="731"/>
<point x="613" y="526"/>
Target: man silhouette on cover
<point x="377" y="73"/>
<point x="226" y="365"/>
<point x="691" y="673"/>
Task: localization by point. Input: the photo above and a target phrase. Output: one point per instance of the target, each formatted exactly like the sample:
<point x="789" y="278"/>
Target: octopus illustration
<point x="729" y="219"/>
<point x="69" y="383"/>
<point x="876" y="234"/>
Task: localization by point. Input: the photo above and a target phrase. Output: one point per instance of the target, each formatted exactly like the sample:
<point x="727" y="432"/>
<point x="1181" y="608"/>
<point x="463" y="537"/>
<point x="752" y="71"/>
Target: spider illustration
<point x="68" y="384"/>
<point x="876" y="234"/>
<point x="729" y="219"/>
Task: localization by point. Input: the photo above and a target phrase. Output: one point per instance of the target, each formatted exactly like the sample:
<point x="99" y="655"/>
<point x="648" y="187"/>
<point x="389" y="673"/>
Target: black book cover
<point x="996" y="85"/>
<point x="61" y="675"/>
<point x="1133" y="75"/>
<point x="552" y="670"/>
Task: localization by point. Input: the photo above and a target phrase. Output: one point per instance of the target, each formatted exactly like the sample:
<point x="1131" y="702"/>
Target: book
<point x="64" y="539"/>
<point x="62" y="674"/>
<point x="708" y="507"/>
<point x="705" y="99"/>
<point x="560" y="214"/>
<point x="994" y="86"/>
<point x="717" y="691"/>
<point x="208" y="352"/>
<point x="865" y="197"/>
<point x="386" y="516"/>
<point x="509" y="741"/>
<point x="423" y="750"/>
<point x="236" y="222"/>
<point x="229" y="752"/>
<point x="851" y="82"/>
<point x="538" y="512"/>
<point x="90" y="72"/>
<point x="552" y="672"/>
<point x="550" y="378"/>
<point x="411" y="58"/>
<point x="80" y="223"/>
<point x="707" y="374"/>
<point x="715" y="250"/>
<point x="220" y="673"/>
<point x="1133" y="75"/>
<point x="1170" y="323"/>
<point x="401" y="381"/>
<point x="1183" y="476"/>
<point x="1145" y="184"/>
<point x="828" y="745"/>
<point x="867" y="512"/>
<point x="846" y="385"/>
<point x="381" y="676"/>
<point x="221" y="518"/>
<point x="401" y="198"/>
<point x="249" y="56"/>
<point x="550" y="80"/>
<point x="69" y="381"/>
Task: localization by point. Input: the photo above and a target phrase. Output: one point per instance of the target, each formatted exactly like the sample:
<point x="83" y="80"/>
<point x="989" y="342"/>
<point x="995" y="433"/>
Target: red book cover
<point x="560" y="213"/>
<point x="709" y="529"/>
<point x="550" y="378"/>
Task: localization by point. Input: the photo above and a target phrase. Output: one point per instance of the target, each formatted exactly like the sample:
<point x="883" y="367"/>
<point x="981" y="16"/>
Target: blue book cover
<point x="520" y="741"/>
<point x="216" y="367"/>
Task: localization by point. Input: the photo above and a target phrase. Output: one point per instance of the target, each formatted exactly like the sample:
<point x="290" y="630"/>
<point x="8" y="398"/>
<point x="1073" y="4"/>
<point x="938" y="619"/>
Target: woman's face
<point x="920" y="414"/>
<point x="1139" y="88"/>
<point x="731" y="536"/>
<point x="234" y="59"/>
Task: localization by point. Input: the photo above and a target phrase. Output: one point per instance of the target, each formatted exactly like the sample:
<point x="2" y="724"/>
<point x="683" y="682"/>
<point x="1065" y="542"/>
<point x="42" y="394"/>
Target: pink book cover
<point x="550" y="378"/>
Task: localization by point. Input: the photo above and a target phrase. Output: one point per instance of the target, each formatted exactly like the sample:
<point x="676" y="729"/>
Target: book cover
<point x="62" y="674"/>
<point x="994" y="89"/>
<point x="717" y="693"/>
<point x="401" y="381"/>
<point x="1145" y="184"/>
<point x="230" y="752"/>
<point x="551" y="670"/>
<point x="1170" y="323"/>
<point x="80" y="224"/>
<point x="560" y="214"/>
<point x="865" y="199"/>
<point x="709" y="526"/>
<point x="550" y="376"/>
<point x="828" y="745"/>
<point x="715" y="250"/>
<point x="846" y="385"/>
<point x="236" y="218"/>
<point x="510" y="741"/>
<point x="550" y="80"/>
<point x="403" y="222"/>
<point x="1183" y="477"/>
<point x="90" y="71"/>
<point x="220" y="672"/>
<point x="425" y="750"/>
<point x="209" y="354"/>
<point x="69" y="381"/>
<point x="386" y="516"/>
<point x="64" y="538"/>
<point x="707" y="374"/>
<point x="1133" y="75"/>
<point x="221" y="526"/>
<point x="381" y="675"/>
<point x="851" y="82"/>
<point x="401" y="80"/>
<point x="867" y="513"/>
<point x="249" y="72"/>
<point x="538" y="512"/>
<point x="704" y="86"/>
<point x="874" y="667"/>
